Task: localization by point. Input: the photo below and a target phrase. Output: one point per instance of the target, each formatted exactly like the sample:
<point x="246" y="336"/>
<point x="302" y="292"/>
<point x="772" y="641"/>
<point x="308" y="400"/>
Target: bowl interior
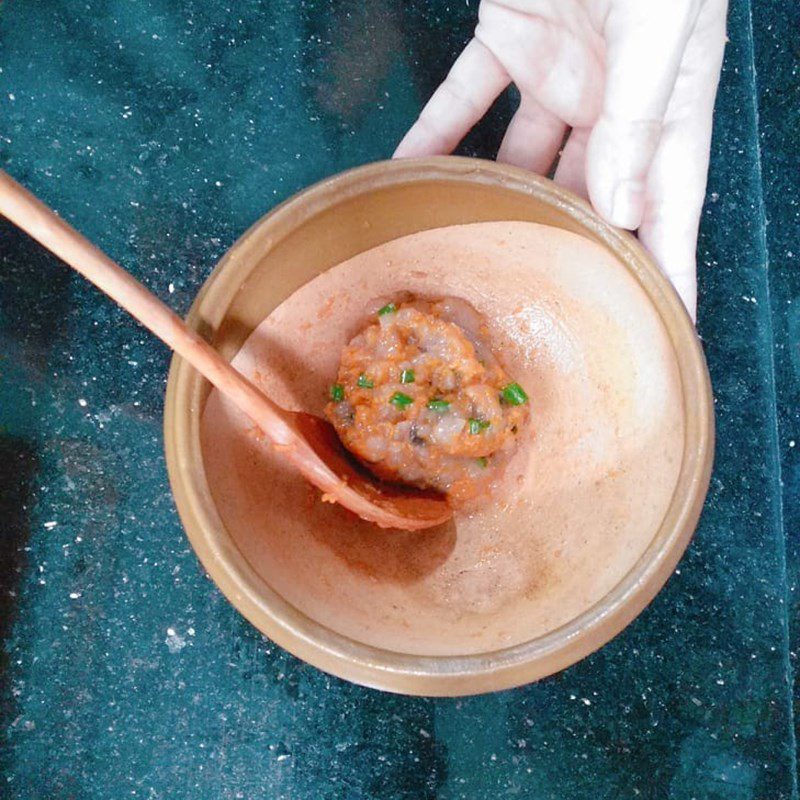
<point x="329" y="224"/>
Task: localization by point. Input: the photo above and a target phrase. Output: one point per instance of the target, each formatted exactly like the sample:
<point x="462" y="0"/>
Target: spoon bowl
<point x="345" y="482"/>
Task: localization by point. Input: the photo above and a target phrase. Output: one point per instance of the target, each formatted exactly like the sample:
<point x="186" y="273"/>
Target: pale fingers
<point x="533" y="137"/>
<point x="558" y="63"/>
<point x="472" y="85"/>
<point x="677" y="179"/>
<point x="645" y="44"/>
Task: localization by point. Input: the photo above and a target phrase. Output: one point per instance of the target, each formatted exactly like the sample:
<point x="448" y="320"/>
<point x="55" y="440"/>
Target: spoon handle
<point x="31" y="215"/>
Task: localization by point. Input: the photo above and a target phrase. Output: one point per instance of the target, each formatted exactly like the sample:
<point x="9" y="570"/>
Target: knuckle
<point x="631" y="132"/>
<point x="456" y="91"/>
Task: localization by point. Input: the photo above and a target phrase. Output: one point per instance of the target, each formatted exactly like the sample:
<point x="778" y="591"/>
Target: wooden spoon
<point x="307" y="442"/>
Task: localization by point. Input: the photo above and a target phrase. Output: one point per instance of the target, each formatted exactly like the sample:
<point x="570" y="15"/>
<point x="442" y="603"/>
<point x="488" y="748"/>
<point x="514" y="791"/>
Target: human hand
<point x="635" y="81"/>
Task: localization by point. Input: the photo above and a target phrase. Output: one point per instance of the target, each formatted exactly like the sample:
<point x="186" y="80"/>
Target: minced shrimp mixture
<point x="420" y="399"/>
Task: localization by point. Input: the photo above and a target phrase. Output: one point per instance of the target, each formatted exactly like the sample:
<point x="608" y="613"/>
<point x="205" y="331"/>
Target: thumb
<point x="645" y="42"/>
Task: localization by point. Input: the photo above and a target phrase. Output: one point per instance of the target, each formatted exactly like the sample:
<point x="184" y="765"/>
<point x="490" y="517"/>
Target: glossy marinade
<point x="420" y="398"/>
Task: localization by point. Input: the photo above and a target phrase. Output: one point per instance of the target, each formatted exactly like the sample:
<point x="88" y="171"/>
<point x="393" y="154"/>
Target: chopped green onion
<point x="407" y="376"/>
<point x="337" y="393"/>
<point x="478" y="425"/>
<point x="364" y="382"/>
<point x="400" y="400"/>
<point x="482" y="462"/>
<point x="439" y="406"/>
<point x="513" y="394"/>
<point x="389" y="308"/>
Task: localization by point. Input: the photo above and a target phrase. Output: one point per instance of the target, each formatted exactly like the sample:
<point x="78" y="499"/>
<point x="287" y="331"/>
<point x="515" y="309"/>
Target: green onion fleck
<point x="389" y="308"/>
<point x="400" y="400"/>
<point x="439" y="406"/>
<point x="514" y="395"/>
<point x="407" y="376"/>
<point x="337" y="392"/>
<point x="364" y="382"/>
<point x="478" y="425"/>
<point x="482" y="462"/>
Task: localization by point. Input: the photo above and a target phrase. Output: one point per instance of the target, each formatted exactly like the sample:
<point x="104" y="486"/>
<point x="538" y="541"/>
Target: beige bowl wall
<point x="329" y="223"/>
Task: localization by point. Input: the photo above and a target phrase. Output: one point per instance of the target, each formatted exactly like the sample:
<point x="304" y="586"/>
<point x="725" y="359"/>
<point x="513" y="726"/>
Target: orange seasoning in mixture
<point x="420" y="399"/>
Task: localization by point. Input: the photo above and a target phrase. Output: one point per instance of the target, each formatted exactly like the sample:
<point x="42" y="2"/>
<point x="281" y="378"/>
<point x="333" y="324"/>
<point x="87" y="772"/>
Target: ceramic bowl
<point x="327" y="224"/>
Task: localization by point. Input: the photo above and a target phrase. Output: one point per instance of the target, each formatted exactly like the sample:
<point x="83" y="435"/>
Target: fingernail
<point x="628" y="204"/>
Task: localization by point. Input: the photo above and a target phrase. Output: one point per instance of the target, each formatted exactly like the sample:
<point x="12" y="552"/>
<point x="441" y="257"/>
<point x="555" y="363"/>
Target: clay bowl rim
<point x="436" y="675"/>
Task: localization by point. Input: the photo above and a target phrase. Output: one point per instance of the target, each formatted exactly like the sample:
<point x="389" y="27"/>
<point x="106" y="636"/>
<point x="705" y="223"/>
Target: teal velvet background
<point x="162" y="130"/>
